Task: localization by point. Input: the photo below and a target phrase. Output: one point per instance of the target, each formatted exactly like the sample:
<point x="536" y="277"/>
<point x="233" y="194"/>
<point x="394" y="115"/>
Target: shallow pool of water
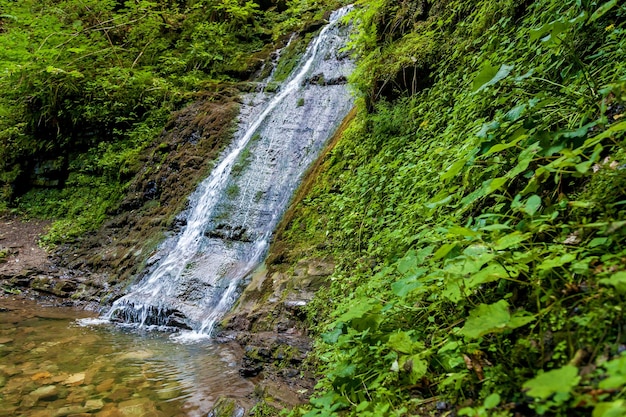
<point x="50" y="365"/>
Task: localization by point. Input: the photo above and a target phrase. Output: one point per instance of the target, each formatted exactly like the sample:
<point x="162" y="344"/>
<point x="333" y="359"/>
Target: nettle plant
<point x="479" y="226"/>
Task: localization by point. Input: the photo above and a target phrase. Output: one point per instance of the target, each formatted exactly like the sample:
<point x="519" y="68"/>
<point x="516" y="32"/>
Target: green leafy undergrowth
<point x="88" y="86"/>
<point x="478" y="222"/>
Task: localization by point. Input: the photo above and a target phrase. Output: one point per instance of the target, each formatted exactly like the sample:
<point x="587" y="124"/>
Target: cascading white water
<point x="233" y="212"/>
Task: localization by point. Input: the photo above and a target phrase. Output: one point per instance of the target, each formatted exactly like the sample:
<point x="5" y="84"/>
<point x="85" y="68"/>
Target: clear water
<point x="52" y="366"/>
<point x="194" y="279"/>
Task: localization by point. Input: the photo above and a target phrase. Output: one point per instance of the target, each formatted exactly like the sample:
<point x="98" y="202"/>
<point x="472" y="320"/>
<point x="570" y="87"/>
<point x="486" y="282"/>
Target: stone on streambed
<point x="169" y="394"/>
<point x="41" y="413"/>
<point x="105" y="385"/>
<point x="45" y="392"/>
<point x="75" y="379"/>
<point x="41" y="375"/>
<point x="140" y="407"/>
<point x="94" y="404"/>
<point x="137" y="355"/>
<point x="70" y="409"/>
<point x="119" y="393"/>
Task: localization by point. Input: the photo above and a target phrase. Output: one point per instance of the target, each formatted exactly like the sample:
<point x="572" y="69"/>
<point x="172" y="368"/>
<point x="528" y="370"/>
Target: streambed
<point x="51" y="365"/>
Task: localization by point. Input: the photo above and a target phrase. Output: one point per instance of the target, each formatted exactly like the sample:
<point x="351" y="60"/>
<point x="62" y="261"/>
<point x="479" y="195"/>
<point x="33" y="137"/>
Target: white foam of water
<point x="221" y="271"/>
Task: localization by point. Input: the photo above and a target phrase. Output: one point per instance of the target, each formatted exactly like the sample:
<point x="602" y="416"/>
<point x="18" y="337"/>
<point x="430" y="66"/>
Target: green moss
<point x="232" y="191"/>
<point x="263" y="409"/>
<point x="97" y="107"/>
<point x="242" y="162"/>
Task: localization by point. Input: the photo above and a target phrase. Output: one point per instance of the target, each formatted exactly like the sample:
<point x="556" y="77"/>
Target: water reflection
<point x="51" y="366"/>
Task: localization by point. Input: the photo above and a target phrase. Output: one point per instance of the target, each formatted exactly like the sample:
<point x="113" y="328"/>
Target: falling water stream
<point x="53" y="364"/>
<point x="195" y="276"/>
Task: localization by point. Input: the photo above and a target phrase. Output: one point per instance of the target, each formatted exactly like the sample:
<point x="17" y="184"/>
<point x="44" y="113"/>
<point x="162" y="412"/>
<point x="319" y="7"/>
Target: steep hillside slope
<point x="475" y="210"/>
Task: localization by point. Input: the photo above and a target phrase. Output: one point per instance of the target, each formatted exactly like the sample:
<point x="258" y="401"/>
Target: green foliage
<point x="477" y="218"/>
<point x="90" y="84"/>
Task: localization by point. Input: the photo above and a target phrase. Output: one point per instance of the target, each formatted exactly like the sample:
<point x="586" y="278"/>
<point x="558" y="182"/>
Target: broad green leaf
<point x="462" y="231"/>
<point x="492" y="401"/>
<point x="519" y="319"/>
<point x="584" y="167"/>
<point x="452" y="291"/>
<point x="330" y="401"/>
<point x="615" y="127"/>
<point x="332" y="336"/>
<point x="532" y="205"/>
<point x="477" y="250"/>
<point x="616" y="366"/>
<point x="401" y="342"/>
<point x="580" y="132"/>
<point x="344" y="370"/>
<point x="407" y="262"/>
<point x="617" y="280"/>
<point x="422" y="254"/>
<point x="490" y="273"/>
<point x="553" y="29"/>
<point x="612" y="409"/>
<point x="602" y="10"/>
<point x="444" y="250"/>
<point x="555" y="262"/>
<point x="502" y="146"/>
<point x="486" y="128"/>
<point x="362" y="406"/>
<point x="495" y="227"/>
<point x="598" y="241"/>
<point x="561" y="380"/>
<point x="415" y="365"/>
<point x="496" y="184"/>
<point x="486" y="74"/>
<point x="486" y="318"/>
<point x="524" y="160"/>
<point x="490" y="75"/>
<point x="516" y="112"/>
<point x="475" y="195"/>
<point x="367" y="321"/>
<point x="613" y="382"/>
<point x="454" y="169"/>
<point x="405" y="286"/>
<point x="449" y="347"/>
<point x="511" y="240"/>
<point x="357" y="310"/>
<point x="435" y="204"/>
<point x="455" y="378"/>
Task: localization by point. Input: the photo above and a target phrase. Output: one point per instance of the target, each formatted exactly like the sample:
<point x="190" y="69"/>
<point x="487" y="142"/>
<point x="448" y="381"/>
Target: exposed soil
<point x="19" y="250"/>
<point x="29" y="271"/>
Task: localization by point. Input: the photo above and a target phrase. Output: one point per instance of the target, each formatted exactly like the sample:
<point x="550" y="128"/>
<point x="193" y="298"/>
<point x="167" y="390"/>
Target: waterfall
<point x="234" y="211"/>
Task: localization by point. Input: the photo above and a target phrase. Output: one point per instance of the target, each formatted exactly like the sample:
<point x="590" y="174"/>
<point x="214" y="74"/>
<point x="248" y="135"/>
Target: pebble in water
<point x="109" y="374"/>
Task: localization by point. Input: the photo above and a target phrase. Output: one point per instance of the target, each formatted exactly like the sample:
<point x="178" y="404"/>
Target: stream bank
<point x="269" y="320"/>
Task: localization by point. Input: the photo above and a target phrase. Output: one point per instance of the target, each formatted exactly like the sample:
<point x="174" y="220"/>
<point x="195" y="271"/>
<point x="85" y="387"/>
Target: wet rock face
<point x="273" y="354"/>
<point x="233" y="212"/>
<point x="171" y="167"/>
<point x="276" y="301"/>
<point x="227" y="232"/>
